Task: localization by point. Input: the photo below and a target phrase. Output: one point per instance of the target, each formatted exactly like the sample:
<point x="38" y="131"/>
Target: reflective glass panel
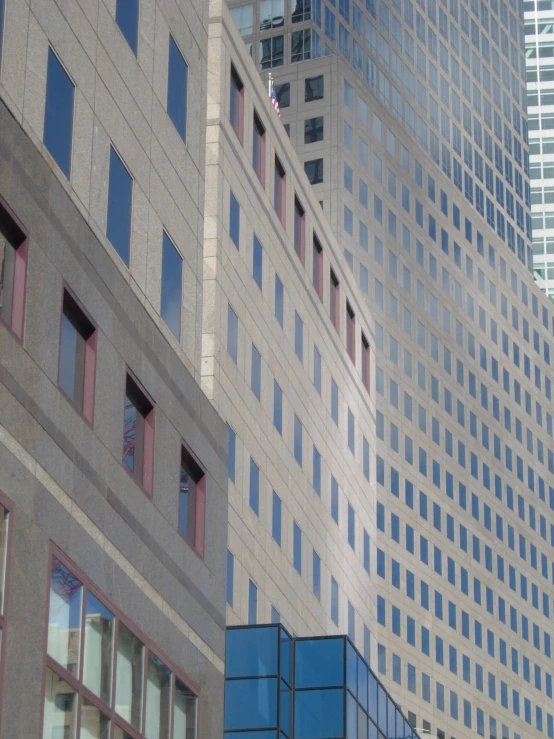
<point x="177" y="79"/>
<point x="120" y="205"/>
<point x="318" y="713"/>
<point x="58" y="114"/>
<point x="351" y="672"/>
<point x="172" y="283"/>
<point x="158" y="699"/>
<point x="64" y="621"/>
<point x="251" y="703"/>
<point x="126" y="17"/>
<point x="184" y="716"/>
<point x="252" y="652"/>
<point x="4" y="520"/>
<point x="60" y="708"/>
<point x="94" y="725"/>
<point x="98" y="656"/>
<point x="128" y="684"/>
<point x="319" y="662"/>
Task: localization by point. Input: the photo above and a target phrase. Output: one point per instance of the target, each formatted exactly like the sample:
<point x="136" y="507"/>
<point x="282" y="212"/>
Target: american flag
<point x="274" y="100"/>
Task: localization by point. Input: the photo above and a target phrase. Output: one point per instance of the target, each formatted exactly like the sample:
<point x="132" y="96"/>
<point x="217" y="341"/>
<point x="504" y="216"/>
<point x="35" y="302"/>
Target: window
<point x="77" y="356"/>
<point x="316" y="575"/>
<point x="149" y="696"/>
<point x="120" y="205"/>
<point x="177" y="84"/>
<point x="244" y="18"/>
<point x="279" y="184"/>
<point x="279" y="300"/>
<point x="314" y="170"/>
<point x="232" y="333"/>
<point x="236" y="114"/>
<point x="5" y="552"/>
<point x="172" y="282"/>
<point x="13" y="272"/>
<point x="277" y="407"/>
<point x="127" y="17"/>
<point x="350" y="332"/>
<point x="257" y="261"/>
<point x="138" y="435"/>
<point x="256" y="373"/>
<point x="230" y="577"/>
<point x="1" y="27"/>
<point x="334" y="300"/>
<point x="192" y="501"/>
<point x="298" y="440"/>
<point x="254" y="487"/>
<point x="334" y="601"/>
<point x="283" y="94"/>
<point x="365" y="362"/>
<point x="234" y="220"/>
<point x="298" y="337"/>
<point x="276" y="518"/>
<point x="313" y="88"/>
<point x="258" y="149"/>
<point x="231" y="453"/>
<point x="299" y="230"/>
<point x="313" y="129"/>
<point x="252" y="603"/>
<point x="317" y="267"/>
<point x="297" y="548"/>
<point x="58" y="115"/>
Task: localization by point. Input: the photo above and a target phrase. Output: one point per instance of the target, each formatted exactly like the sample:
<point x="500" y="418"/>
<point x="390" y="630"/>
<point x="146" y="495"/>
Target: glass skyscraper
<point x="410" y="119"/>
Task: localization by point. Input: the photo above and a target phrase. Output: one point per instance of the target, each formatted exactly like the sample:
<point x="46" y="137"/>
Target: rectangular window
<point x="257" y="261"/>
<point x="192" y="501"/>
<point x="299" y="230"/>
<point x="365" y="362"/>
<point x="234" y="220"/>
<point x="258" y="149"/>
<point x="279" y="300"/>
<point x="334" y="601"/>
<point x="236" y="112"/>
<point x="313" y="88"/>
<point x="351" y="527"/>
<point x="350" y="332"/>
<point x="172" y="283"/>
<point x="127" y="18"/>
<point x="334" y="401"/>
<point x="316" y="471"/>
<point x="5" y="554"/>
<point x="252" y="603"/>
<point x="279" y="191"/>
<point x="120" y="207"/>
<point x="230" y="577"/>
<point x="316" y="575"/>
<point x="277" y="407"/>
<point x="298" y="337"/>
<point x="13" y="272"/>
<point x="317" y="267"/>
<point x="232" y="333"/>
<point x="256" y="373"/>
<point x="58" y="115"/>
<point x="177" y="84"/>
<point x="77" y="364"/>
<point x="334" y="300"/>
<point x="297" y="548"/>
<point x="138" y="435"/>
<point x="91" y="648"/>
<point x="276" y="518"/>
<point x="254" y="487"/>
<point x="298" y="440"/>
<point x="231" y="453"/>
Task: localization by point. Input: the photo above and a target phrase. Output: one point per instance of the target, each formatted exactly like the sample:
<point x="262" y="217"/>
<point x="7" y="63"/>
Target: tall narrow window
<point x="234" y="220"/>
<point x="365" y="362"/>
<point x="258" y="149"/>
<point x="1" y="28"/>
<point x="232" y="333"/>
<point x="77" y="357"/>
<point x="316" y="575"/>
<point x="252" y="603"/>
<point x="254" y="491"/>
<point x="279" y="190"/>
<point x="277" y="407"/>
<point x="256" y="373"/>
<point x="257" y="262"/>
<point x="334" y="300"/>
<point x="317" y="267"/>
<point x="334" y="601"/>
<point x="177" y="84"/>
<point x="276" y="518"/>
<point x="120" y="205"/>
<point x="298" y="440"/>
<point x="58" y="114"/>
<point x="297" y="548"/>
<point x="138" y="435"/>
<point x="13" y="272"/>
<point x="350" y="332"/>
<point x="317" y="369"/>
<point x="126" y="17"/>
<point x="230" y="577"/>
<point x="172" y="282"/>
<point x="299" y="230"/>
<point x="279" y="300"/>
<point x="231" y="453"/>
<point x="298" y="337"/>
<point x="5" y="557"/>
<point x="192" y="501"/>
<point x="236" y="114"/>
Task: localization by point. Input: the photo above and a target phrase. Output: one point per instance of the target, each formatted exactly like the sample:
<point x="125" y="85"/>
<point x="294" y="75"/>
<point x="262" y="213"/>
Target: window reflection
<point x="60" y="708"/>
<point x="128" y="690"/>
<point x="94" y="724"/>
<point x="99" y="634"/>
<point x="64" y="623"/>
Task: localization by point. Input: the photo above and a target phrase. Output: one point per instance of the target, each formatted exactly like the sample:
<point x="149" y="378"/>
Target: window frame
<point x="280" y="190"/>
<point x="350" y="332"/>
<point x="299" y="230"/>
<point x="16" y="232"/>
<point x="258" y="152"/>
<point x="143" y="477"/>
<point x="86" y="408"/>
<point x="194" y="538"/>
<point x="236" y="87"/>
<point x="77" y="683"/>
<point x="334" y="300"/>
<point x="317" y="266"/>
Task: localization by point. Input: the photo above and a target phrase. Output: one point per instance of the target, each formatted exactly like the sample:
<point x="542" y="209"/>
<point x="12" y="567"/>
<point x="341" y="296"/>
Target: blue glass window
<point x="234" y="220"/>
<point x="319" y="663"/>
<point x="177" y="82"/>
<point x="316" y="575"/>
<point x="279" y="300"/>
<point x="172" y="281"/>
<point x="232" y="333"/>
<point x="318" y="713"/>
<point x="254" y="493"/>
<point x="297" y="548"/>
<point x="231" y="452"/>
<point x="58" y="115"/>
<point x="126" y="17"/>
<point x="230" y="574"/>
<point x="252" y="652"/>
<point x="276" y="518"/>
<point x="251" y="703"/>
<point x="252" y="603"/>
<point x="257" y="262"/>
<point x="298" y="440"/>
<point x="120" y="203"/>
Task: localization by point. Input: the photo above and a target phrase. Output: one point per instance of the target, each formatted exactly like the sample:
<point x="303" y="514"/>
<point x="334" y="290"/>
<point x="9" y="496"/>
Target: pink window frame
<point x="365" y="362"/>
<point x="17" y="321"/>
<point x="259" y="127"/>
<point x="299" y="230"/>
<point x="77" y="683"/>
<point x="351" y="332"/>
<point x="334" y="300"/>
<point x="200" y="507"/>
<point x="281" y="191"/>
<point x="8" y="505"/>
<point x="318" y="267"/>
<point x="89" y="377"/>
<point x="238" y="123"/>
<point x="148" y="441"/>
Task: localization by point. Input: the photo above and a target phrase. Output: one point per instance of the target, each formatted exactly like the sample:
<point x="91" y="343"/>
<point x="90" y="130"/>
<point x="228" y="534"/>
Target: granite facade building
<point x="113" y="483"/>
<point x="410" y="119"/>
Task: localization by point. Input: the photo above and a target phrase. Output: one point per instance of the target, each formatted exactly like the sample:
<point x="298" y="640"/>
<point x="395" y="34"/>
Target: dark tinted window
<point x="313" y="88"/>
